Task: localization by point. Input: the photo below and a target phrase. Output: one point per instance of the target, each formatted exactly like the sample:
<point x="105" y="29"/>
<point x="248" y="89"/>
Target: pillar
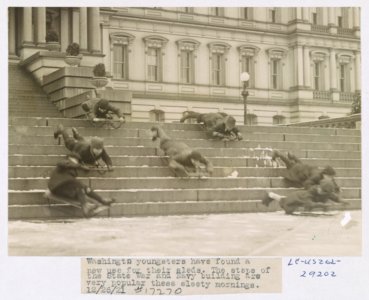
<point x="83" y="29"/>
<point x="307" y="67"/>
<point x="64" y="28"/>
<point x="94" y="41"/>
<point x="298" y="13"/>
<point x="305" y="14"/>
<point x="40" y="25"/>
<point x="357" y="72"/>
<point x="27" y="25"/>
<point x="300" y="64"/>
<point x="11" y="40"/>
<point x="331" y="16"/>
<point x="75" y="25"/>
<point x="356" y="17"/>
<point x="325" y="16"/>
<point x="333" y="70"/>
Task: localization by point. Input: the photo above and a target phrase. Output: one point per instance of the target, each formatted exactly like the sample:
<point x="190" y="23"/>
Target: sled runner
<point x="50" y="197"/>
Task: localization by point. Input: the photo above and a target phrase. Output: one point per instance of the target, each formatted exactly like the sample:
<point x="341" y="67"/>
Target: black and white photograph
<point x="190" y="131"/>
<point x="224" y="136"/>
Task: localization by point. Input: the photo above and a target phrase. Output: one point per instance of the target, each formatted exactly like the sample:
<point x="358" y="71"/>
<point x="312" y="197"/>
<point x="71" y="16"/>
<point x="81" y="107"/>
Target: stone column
<point x="331" y="16"/>
<point x="306" y="67"/>
<point x="305" y="14"/>
<point x="356" y="24"/>
<point x="300" y="66"/>
<point x="357" y="71"/>
<point x="27" y="26"/>
<point x="333" y="70"/>
<point x="41" y="25"/>
<point x="83" y="29"/>
<point x="94" y="41"/>
<point x="298" y="13"/>
<point x="332" y="20"/>
<point x="64" y="28"/>
<point x="11" y="40"/>
<point x="75" y="25"/>
<point x="356" y="17"/>
<point x="324" y="11"/>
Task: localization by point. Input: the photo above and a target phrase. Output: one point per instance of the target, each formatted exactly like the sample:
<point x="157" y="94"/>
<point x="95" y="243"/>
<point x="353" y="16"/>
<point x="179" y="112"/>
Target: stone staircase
<point x="143" y="184"/>
<point x="26" y="98"/>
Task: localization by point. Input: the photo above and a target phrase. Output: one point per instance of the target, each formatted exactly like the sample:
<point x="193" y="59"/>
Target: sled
<point x="110" y="121"/>
<point x="50" y="197"/>
<point x="315" y="213"/>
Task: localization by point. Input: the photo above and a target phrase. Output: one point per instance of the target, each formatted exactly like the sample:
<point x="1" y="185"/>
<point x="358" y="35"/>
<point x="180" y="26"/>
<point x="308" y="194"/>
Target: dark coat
<point x="109" y="108"/>
<point x="314" y="196"/>
<point x="65" y="171"/>
<point x="83" y="148"/>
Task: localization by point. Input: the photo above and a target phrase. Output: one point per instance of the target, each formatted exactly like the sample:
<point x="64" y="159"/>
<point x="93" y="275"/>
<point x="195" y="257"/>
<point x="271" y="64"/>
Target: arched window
<point x="155" y="50"/>
<point x="120" y="48"/>
<point x="279" y="119"/>
<point x="318" y="61"/>
<point x="248" y="55"/>
<point x="276" y="56"/>
<point x="251" y="119"/>
<point x="187" y="54"/>
<point x="157" y="115"/>
<point x="344" y="66"/>
<point x="218" y="58"/>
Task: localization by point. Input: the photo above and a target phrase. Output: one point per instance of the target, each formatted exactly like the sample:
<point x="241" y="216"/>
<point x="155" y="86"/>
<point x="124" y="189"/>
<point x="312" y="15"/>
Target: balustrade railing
<point x="350" y="122"/>
<point x="320" y="28"/>
<point x="345" y="31"/>
<point x="347" y="97"/>
<point x="322" y="95"/>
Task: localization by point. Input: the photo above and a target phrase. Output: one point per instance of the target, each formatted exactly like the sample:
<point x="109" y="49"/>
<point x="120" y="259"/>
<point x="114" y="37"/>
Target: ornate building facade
<point x="304" y="63"/>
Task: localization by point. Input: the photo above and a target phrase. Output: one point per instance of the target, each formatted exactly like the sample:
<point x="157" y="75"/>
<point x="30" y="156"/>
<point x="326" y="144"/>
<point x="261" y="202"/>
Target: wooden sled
<point x="315" y="213"/>
<point x="50" y="197"/>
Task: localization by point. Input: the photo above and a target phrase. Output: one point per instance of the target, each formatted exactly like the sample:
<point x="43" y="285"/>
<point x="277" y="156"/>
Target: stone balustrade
<point x="351" y="122"/>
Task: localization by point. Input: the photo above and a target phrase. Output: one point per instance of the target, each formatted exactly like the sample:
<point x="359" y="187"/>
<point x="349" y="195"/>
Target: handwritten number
<point x="303" y="274"/>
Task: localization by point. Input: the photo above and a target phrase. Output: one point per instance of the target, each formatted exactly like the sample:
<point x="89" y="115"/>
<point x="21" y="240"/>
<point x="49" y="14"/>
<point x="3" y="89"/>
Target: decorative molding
<point x="276" y="53"/>
<point x="219" y="47"/>
<point x="318" y="56"/>
<point x="345" y="58"/>
<point x="248" y="50"/>
<point x="187" y="44"/>
<point x="155" y="41"/>
<point x="121" y="38"/>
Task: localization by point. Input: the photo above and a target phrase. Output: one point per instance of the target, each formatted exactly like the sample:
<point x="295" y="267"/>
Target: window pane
<point x="246" y="67"/>
<point x="186" y="66"/>
<point x="342" y="78"/>
<point x="153" y="64"/>
<point x="275" y="74"/>
<point x="119" y="57"/>
<point x="245" y="13"/>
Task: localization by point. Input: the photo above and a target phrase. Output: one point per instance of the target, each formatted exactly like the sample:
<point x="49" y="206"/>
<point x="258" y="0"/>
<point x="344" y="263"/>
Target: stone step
<point x="53" y="211"/>
<point x="170" y="182"/>
<point x="200" y="143"/>
<point x="208" y="152"/>
<point x="182" y="134"/>
<point x="50" y="160"/>
<point x="178" y="126"/>
<point x="45" y="171"/>
<point x="34" y="197"/>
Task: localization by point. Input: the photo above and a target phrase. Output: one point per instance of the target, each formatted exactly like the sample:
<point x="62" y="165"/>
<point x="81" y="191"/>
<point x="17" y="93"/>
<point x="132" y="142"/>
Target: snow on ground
<point x="257" y="234"/>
